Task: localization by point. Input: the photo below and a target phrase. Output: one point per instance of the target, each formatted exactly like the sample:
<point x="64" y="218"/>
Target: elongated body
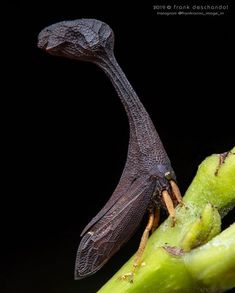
<point x="147" y="173"/>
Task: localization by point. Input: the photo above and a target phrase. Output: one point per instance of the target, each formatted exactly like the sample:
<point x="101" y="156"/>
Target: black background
<point x="68" y="133"/>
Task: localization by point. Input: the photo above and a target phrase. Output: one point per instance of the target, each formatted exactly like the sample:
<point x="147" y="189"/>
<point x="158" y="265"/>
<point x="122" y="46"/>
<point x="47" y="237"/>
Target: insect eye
<point x="168" y="175"/>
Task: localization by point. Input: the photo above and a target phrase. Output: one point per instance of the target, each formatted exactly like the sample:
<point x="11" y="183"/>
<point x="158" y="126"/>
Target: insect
<point x="148" y="181"/>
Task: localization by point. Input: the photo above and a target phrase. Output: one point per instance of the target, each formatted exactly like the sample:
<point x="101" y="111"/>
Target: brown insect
<point x="148" y="181"/>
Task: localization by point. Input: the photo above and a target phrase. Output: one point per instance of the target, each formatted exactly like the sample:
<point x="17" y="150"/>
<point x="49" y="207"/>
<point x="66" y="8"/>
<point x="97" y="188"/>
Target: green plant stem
<point x="213" y="264"/>
<point x="171" y="261"/>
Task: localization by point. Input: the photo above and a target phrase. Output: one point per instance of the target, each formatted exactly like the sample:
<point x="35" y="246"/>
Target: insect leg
<point x="156" y="219"/>
<point x="143" y="240"/>
<point x="176" y="191"/>
<point x="169" y="205"/>
<point x="141" y="248"/>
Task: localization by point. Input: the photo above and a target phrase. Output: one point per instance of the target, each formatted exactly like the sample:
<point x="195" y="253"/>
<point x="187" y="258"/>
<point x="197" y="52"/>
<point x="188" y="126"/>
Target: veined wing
<point x="115" y="228"/>
<point x="129" y="176"/>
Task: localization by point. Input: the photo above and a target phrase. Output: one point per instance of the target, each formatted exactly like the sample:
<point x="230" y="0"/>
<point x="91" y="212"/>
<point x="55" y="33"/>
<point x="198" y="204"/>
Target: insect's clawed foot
<point x="128" y="277"/>
<point x="173" y="221"/>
